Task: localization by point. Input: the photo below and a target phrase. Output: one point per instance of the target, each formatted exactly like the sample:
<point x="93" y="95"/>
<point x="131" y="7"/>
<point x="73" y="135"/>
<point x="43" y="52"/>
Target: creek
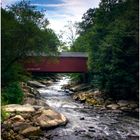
<point x="86" y="122"/>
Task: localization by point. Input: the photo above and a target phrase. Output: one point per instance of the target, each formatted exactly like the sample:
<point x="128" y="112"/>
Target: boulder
<point x="82" y="96"/>
<point x="132" y="137"/>
<point x="27" y="94"/>
<point x="122" y="103"/>
<point x="108" y="102"/>
<point x="31" y="101"/>
<point x="137" y="110"/>
<point x="41" y="102"/>
<point x="17" y="118"/>
<point x="31" y="131"/>
<point x="35" y="84"/>
<point x="92" y="101"/>
<point x="75" y="97"/>
<point x="49" y="118"/>
<point x="46" y="82"/>
<point x="80" y="87"/>
<point x="8" y="135"/>
<point x="112" y="106"/>
<point x="18" y="126"/>
<point x="125" y="108"/>
<point x="26" y="115"/>
<point x="97" y="93"/>
<point x="35" y="92"/>
<point x="133" y="105"/>
<point x="18" y="108"/>
<point x="79" y="96"/>
<point x="19" y="137"/>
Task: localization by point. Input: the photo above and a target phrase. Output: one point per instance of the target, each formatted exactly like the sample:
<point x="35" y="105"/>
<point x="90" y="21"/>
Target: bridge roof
<point x="63" y="54"/>
<point x="73" y="54"/>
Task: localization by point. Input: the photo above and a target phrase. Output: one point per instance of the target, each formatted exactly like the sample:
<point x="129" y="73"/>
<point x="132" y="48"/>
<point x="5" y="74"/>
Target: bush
<point x="14" y="73"/>
<point x="12" y="94"/>
<point x="78" y="77"/>
<point x="4" y="115"/>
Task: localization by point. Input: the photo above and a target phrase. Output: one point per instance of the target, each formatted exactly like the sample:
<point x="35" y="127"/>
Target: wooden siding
<point x="61" y="64"/>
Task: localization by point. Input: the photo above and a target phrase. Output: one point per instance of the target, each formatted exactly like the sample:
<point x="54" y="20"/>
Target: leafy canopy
<point x="110" y="35"/>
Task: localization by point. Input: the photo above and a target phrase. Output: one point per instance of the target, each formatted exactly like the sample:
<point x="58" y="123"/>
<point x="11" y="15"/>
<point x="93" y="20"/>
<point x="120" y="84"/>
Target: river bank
<point x="84" y="93"/>
<point x="85" y="122"/>
<point x="29" y="120"/>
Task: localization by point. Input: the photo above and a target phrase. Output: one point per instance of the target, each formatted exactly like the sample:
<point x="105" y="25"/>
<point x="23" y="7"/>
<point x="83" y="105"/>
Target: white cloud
<point x="61" y="13"/>
<point x="52" y="5"/>
<point x="8" y="2"/>
<point x="69" y="10"/>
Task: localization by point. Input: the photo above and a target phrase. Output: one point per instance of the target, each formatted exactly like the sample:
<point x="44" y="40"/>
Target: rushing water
<point x="86" y="123"/>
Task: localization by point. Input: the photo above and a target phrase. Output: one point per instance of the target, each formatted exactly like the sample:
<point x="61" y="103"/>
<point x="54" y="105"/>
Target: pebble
<point x="90" y="127"/>
<point x="91" y="130"/>
<point x="82" y="118"/>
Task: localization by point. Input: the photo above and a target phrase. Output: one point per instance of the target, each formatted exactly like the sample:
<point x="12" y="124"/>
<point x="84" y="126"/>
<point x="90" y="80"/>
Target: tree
<point x="68" y="36"/>
<point x="110" y="33"/>
<point x="24" y="30"/>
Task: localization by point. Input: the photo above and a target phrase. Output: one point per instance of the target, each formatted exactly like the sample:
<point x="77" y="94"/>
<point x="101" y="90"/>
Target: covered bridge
<point x="66" y="62"/>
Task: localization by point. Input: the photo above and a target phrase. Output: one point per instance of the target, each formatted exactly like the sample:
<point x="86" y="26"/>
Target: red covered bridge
<point x="65" y="62"/>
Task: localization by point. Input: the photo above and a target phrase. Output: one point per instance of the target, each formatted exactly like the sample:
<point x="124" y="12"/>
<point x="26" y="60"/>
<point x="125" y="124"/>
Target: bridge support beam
<point x="85" y="78"/>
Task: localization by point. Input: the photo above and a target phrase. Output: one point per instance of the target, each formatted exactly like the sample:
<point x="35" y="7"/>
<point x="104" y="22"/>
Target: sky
<point x="59" y="12"/>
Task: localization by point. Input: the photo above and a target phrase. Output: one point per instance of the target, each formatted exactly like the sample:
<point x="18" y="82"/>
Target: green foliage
<point x="4" y="115"/>
<point x="77" y="77"/>
<point x="81" y="44"/>
<point x="12" y="94"/>
<point x="110" y="33"/>
<point x="24" y="31"/>
<point x="15" y="73"/>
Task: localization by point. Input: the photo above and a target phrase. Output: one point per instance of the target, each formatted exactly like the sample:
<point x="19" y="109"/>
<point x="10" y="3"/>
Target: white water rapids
<point x="87" y="123"/>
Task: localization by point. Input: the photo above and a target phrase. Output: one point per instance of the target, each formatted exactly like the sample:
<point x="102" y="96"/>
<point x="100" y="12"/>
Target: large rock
<point x="19" y="126"/>
<point x="17" y="118"/>
<point x="133" y="105"/>
<point x="35" y="92"/>
<point x="46" y="82"/>
<point x="35" y="84"/>
<point x="125" y="108"/>
<point x="49" y="118"/>
<point x="123" y="103"/>
<point x="137" y="110"/>
<point x="89" y="98"/>
<point x="80" y="87"/>
<point x="31" y="131"/>
<point x="75" y="97"/>
<point x="18" y="108"/>
<point x="80" y="96"/>
<point x="19" y="137"/>
<point x="112" y="106"/>
<point x="31" y="101"/>
<point x="109" y="101"/>
<point x="41" y="102"/>
<point x="93" y="102"/>
<point x="30" y="95"/>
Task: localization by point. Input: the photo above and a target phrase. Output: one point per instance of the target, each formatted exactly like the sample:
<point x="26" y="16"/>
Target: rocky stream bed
<point x="51" y="106"/>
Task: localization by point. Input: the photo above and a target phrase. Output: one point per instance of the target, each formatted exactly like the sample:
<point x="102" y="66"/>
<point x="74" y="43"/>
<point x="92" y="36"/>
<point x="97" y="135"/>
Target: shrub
<point x="4" y="115"/>
<point x="12" y="94"/>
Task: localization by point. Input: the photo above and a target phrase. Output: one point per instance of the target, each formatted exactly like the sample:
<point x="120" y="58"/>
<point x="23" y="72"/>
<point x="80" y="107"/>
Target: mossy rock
<point x="92" y="101"/>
